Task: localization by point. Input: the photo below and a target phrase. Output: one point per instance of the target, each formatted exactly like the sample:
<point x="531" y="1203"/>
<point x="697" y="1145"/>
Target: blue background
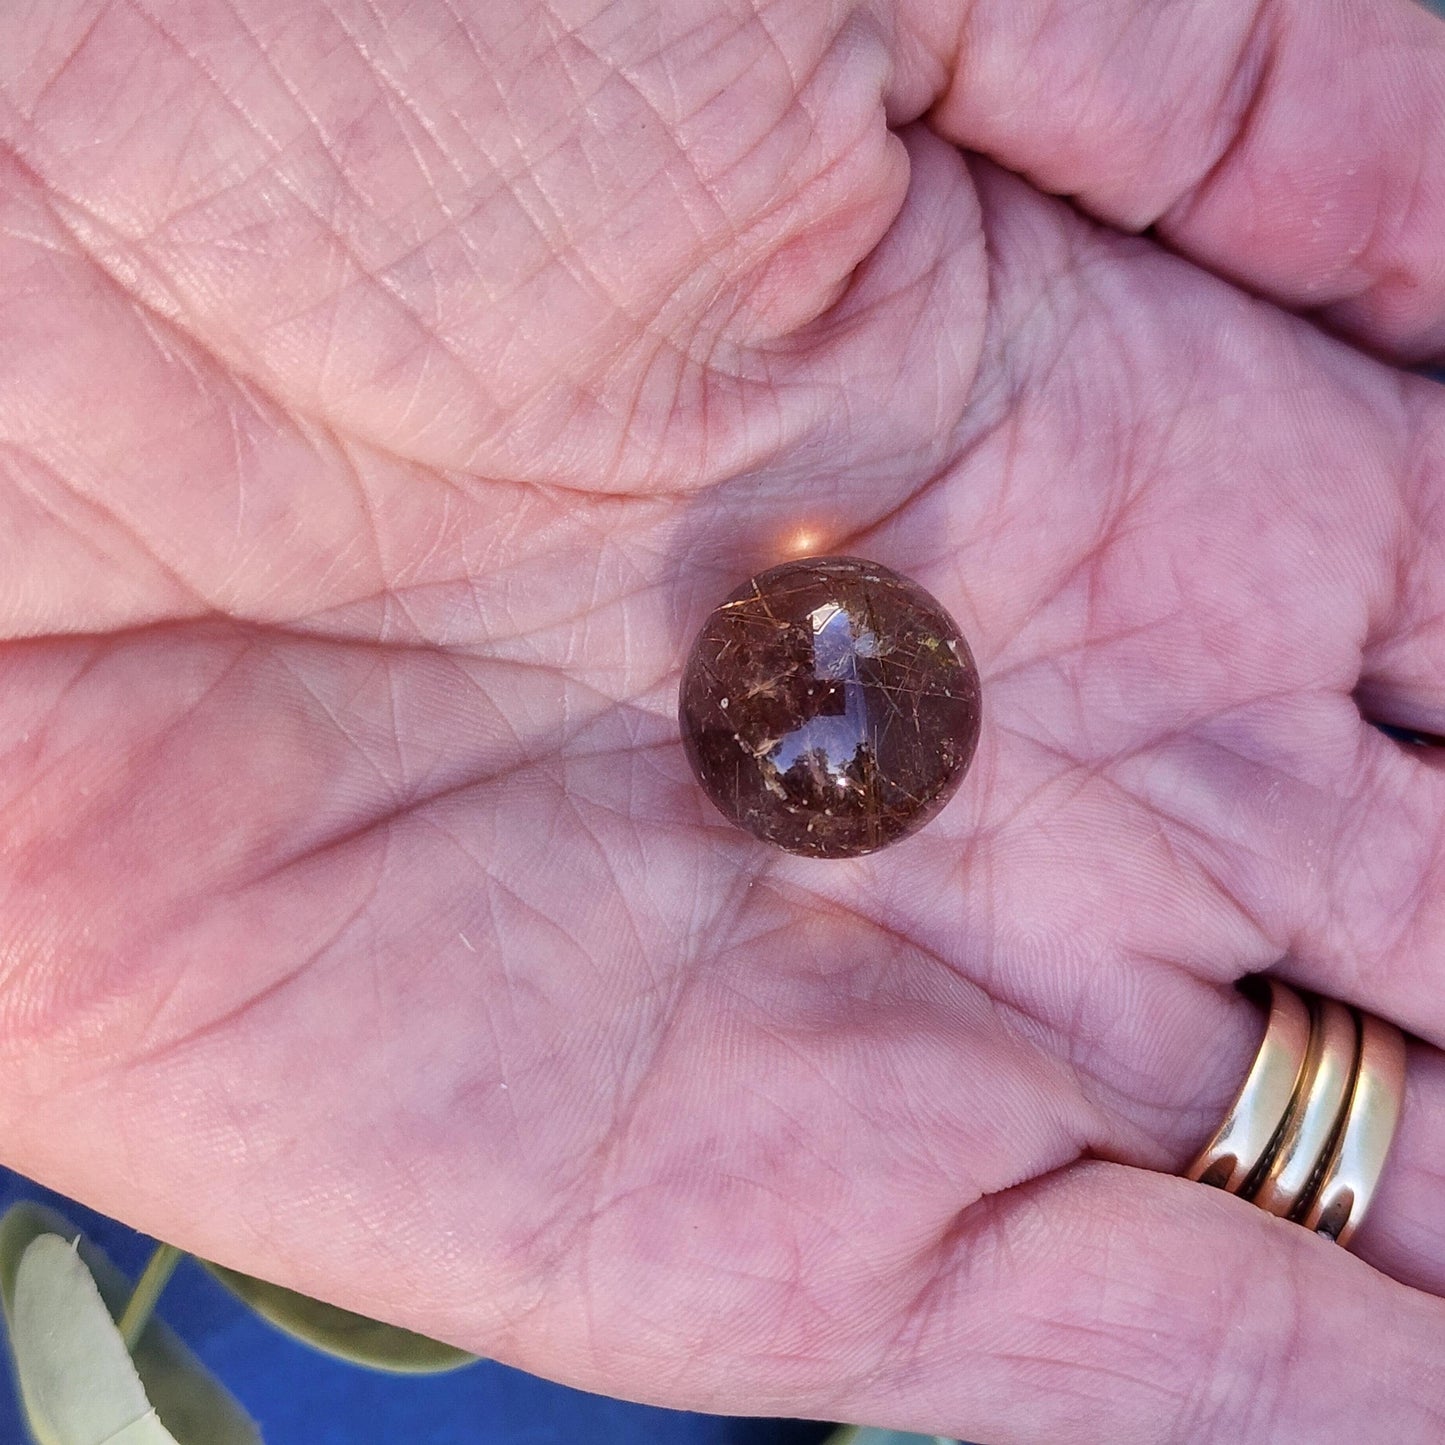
<point x="299" y="1397"/>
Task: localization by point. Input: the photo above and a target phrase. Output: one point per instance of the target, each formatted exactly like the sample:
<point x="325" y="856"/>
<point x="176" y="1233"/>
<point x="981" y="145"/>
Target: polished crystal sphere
<point x="830" y="707"/>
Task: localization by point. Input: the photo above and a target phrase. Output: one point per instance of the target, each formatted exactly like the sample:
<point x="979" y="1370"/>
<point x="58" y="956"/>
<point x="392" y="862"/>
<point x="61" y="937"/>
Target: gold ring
<point x="1353" y="1170"/>
<point x="1309" y="1133"/>
<point x="1315" y="1113"/>
<point x="1241" y="1144"/>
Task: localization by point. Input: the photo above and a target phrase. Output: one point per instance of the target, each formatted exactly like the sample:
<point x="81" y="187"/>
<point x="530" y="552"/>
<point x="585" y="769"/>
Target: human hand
<point x="388" y="392"/>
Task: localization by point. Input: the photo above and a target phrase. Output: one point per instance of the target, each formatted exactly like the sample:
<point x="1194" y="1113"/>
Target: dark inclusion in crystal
<point x="830" y="707"/>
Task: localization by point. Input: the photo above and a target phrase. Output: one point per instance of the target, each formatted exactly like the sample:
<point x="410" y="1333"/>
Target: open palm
<point x="386" y="394"/>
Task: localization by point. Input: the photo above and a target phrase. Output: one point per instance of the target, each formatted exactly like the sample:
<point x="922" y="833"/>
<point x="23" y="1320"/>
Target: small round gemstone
<point x="830" y="707"/>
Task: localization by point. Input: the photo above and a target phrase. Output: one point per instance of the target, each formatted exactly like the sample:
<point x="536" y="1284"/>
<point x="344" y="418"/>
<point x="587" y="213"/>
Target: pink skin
<point x="386" y="393"/>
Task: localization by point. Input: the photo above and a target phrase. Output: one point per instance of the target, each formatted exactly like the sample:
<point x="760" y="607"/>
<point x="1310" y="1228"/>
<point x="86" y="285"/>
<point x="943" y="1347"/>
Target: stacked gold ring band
<point x="1309" y="1133"/>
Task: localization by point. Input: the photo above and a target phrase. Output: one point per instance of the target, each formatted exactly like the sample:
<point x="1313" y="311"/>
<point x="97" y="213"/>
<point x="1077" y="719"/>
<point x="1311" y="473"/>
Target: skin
<point x="387" y="393"/>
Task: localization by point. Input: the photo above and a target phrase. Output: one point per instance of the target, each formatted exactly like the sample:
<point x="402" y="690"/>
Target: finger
<point x="1372" y="895"/>
<point x="1297" y="147"/>
<point x="1403" y="682"/>
<point x="1361" y="916"/>
<point x="1348" y="896"/>
<point x="1109" y="1304"/>
<point x="1367" y="883"/>
<point x="1165" y="1094"/>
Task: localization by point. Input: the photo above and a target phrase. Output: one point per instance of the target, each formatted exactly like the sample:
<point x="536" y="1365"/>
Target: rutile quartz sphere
<point x="830" y="707"/>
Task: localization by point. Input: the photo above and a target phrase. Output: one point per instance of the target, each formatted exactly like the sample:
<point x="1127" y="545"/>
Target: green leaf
<point x="867" y="1435"/>
<point x="77" y="1381"/>
<point x="339" y="1332"/>
<point x="195" y="1407"/>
